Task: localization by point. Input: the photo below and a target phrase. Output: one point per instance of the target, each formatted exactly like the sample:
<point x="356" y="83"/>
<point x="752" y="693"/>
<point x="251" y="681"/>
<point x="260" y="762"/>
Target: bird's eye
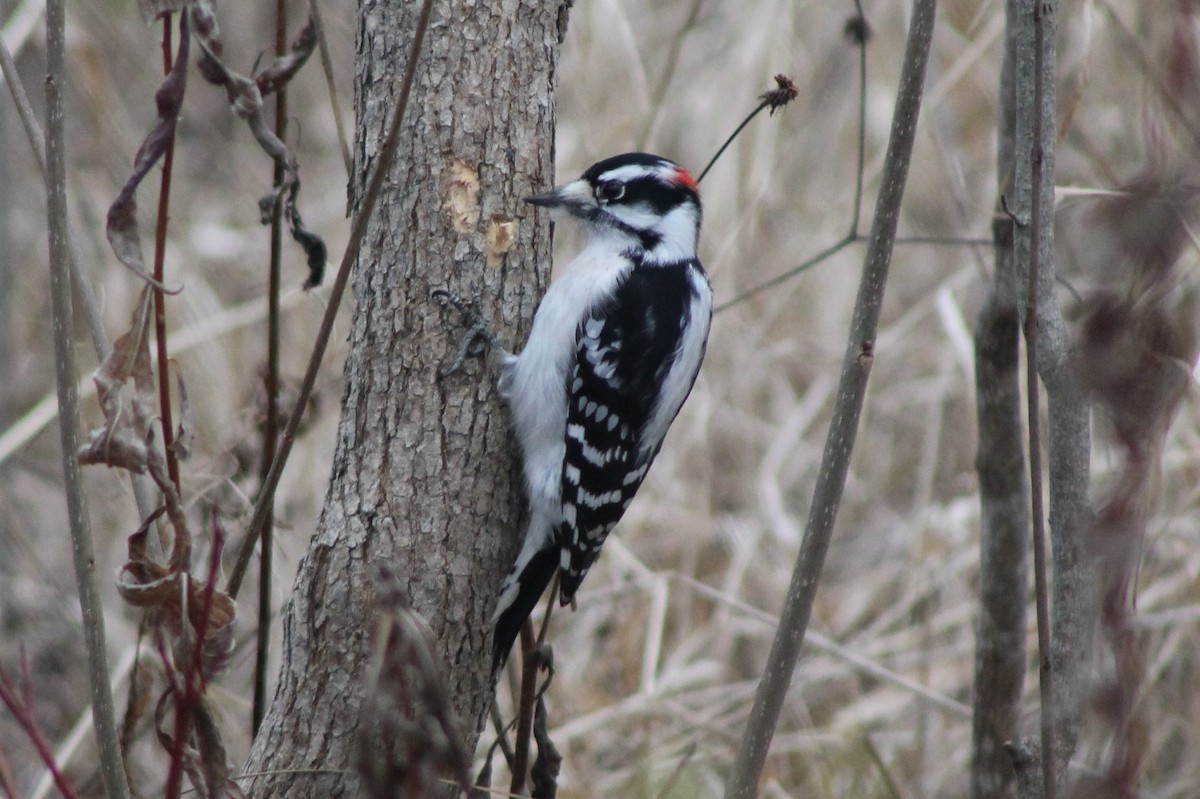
<point x="610" y="191"/>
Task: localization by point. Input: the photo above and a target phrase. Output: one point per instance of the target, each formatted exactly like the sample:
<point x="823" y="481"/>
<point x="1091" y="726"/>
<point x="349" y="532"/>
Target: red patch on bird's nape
<point x="685" y="179"/>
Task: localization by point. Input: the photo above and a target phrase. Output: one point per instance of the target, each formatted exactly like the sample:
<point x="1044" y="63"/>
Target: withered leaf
<point x="276" y="74"/>
<point x="544" y="773"/>
<point x="246" y="99"/>
<point x="128" y="416"/>
<point x="316" y="254"/>
<point x="204" y="21"/>
<point x="122" y="227"/>
<point x="169" y="593"/>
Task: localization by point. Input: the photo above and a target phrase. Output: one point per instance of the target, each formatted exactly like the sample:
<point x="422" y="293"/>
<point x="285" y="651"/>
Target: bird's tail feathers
<point x="519" y="594"/>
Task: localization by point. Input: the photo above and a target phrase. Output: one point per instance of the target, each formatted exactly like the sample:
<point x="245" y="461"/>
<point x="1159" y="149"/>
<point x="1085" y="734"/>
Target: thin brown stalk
<point x="835" y="461"/>
<point x="271" y="385"/>
<point x="262" y="507"/>
<point x="327" y="67"/>
<point x="190" y="694"/>
<point x="668" y="74"/>
<point x="8" y="783"/>
<point x="1038" y="511"/>
<point x="81" y="279"/>
<point x="183" y="725"/>
<point x="160" y="299"/>
<point x="529" y="669"/>
<point x="804" y="266"/>
<point x="66" y="374"/>
<point x="862" y="33"/>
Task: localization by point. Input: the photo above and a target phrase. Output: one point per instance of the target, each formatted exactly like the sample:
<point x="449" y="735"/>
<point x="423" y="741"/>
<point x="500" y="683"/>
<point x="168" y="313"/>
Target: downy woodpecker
<point x="614" y="350"/>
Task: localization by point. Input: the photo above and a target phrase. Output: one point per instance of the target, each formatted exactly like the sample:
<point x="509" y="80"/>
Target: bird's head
<point x="643" y="201"/>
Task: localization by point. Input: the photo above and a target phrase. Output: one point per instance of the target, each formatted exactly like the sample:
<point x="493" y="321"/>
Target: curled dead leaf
<point x="275" y="75"/>
<point x="246" y="99"/>
<point x="125" y="388"/>
<point x="172" y="594"/>
<point x="121" y="227"/>
<point x="544" y="773"/>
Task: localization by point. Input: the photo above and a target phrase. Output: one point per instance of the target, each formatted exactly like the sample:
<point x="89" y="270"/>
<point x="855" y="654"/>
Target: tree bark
<point x="424" y="477"/>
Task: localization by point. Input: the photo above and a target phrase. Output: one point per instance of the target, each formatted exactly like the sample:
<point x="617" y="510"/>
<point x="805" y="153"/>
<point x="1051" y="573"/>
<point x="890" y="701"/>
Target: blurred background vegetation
<point x="657" y="667"/>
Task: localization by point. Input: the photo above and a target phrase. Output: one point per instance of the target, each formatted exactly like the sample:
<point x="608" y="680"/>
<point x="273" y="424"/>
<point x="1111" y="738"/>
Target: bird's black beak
<point x="550" y="199"/>
<point x="574" y="195"/>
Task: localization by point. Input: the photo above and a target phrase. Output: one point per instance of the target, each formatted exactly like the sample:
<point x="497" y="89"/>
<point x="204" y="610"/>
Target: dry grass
<point x="656" y="669"/>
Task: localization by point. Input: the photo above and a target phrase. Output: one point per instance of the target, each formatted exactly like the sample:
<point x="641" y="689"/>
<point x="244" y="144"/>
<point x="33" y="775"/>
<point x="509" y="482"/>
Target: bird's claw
<point x="478" y="338"/>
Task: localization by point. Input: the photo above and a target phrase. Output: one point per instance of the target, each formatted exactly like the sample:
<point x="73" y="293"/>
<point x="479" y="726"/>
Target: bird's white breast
<point x="534" y="387"/>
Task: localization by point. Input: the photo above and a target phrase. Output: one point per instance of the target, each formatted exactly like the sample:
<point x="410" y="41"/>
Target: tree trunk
<point x="424" y="477"/>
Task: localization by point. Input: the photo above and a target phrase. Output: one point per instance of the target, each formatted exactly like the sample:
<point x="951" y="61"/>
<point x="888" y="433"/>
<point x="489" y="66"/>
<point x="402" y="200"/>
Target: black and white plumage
<point x="614" y="350"/>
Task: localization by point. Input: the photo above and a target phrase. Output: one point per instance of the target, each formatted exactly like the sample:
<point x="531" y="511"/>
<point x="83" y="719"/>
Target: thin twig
<point x="784" y="92"/>
<point x="529" y="669"/>
<point x="19" y="707"/>
<point x="668" y="74"/>
<point x="858" y="29"/>
<point x="327" y="68"/>
<point x="160" y="250"/>
<point x="804" y="266"/>
<point x="942" y="241"/>
<point x="835" y="462"/>
<point x="271" y="385"/>
<point x="66" y="374"/>
<point x="859" y="25"/>
<point x="358" y="230"/>
<point x="8" y="783"/>
<point x="850" y="237"/>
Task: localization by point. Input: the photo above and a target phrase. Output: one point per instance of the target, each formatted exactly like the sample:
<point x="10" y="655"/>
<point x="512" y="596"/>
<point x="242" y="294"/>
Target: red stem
<point x="23" y="714"/>
<point x="183" y="715"/>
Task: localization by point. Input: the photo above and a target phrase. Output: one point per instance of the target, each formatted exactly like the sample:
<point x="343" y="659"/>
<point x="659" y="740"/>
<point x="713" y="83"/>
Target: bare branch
<point x="835" y="461"/>
<point x="1068" y="422"/>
